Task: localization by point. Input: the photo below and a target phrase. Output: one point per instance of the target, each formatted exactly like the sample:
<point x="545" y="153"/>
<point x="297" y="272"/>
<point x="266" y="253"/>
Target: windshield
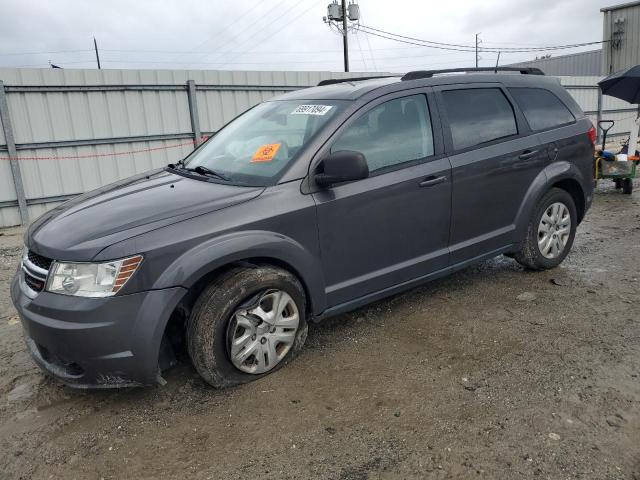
<point x="257" y="147"/>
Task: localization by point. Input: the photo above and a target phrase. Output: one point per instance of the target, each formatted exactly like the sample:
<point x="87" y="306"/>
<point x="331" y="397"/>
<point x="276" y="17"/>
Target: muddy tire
<point x="550" y="233"/>
<point x="216" y="327"/>
<point x="627" y="186"/>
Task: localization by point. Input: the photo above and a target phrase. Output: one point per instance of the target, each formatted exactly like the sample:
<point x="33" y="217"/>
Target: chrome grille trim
<point x="32" y="273"/>
<point x="34" y="270"/>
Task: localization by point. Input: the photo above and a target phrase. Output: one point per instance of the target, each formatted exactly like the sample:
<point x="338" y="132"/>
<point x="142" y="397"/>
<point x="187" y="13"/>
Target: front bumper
<point x="96" y="342"/>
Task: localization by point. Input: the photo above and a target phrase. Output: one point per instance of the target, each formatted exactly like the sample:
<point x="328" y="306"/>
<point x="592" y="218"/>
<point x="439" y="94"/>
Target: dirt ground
<point x="494" y="372"/>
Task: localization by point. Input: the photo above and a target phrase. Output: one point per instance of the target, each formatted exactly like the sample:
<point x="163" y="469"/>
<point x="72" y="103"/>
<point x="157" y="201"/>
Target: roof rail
<point x="331" y="81"/>
<point x="430" y="73"/>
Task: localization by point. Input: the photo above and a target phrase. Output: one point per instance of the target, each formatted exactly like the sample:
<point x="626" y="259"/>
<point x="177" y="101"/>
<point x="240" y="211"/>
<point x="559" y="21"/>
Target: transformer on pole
<point x="338" y="14"/>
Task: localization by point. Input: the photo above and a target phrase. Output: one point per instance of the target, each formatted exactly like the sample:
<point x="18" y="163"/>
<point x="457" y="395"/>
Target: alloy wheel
<point x="261" y="336"/>
<point x="554" y="230"/>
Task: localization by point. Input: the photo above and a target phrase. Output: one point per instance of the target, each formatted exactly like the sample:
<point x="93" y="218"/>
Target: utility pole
<point x="337" y="16"/>
<point x="477" y="44"/>
<point x="95" y="46"/>
<point x="345" y="41"/>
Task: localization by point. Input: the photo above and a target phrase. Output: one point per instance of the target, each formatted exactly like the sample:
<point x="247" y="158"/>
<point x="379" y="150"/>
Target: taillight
<point x="592" y="135"/>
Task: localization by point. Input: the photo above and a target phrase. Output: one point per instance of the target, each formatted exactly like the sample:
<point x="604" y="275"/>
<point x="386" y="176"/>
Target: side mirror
<point x="341" y="166"/>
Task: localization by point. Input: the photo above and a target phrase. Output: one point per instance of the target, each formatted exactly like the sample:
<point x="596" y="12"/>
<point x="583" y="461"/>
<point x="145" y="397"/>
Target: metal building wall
<point x="576" y="64"/>
<point x="98" y="113"/>
<point x="627" y="53"/>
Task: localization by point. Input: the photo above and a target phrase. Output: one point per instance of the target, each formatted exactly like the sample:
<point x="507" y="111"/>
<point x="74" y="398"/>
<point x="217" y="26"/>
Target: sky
<point x="284" y="34"/>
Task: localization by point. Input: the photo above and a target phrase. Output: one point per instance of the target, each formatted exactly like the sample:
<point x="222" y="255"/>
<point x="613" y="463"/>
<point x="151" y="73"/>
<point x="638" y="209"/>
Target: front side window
<point x="478" y="116"/>
<point x="541" y="108"/>
<point x="256" y="148"/>
<point x="392" y="133"/>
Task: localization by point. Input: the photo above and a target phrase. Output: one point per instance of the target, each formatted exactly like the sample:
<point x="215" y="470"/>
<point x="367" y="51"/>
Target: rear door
<point x="494" y="158"/>
<point x="554" y="123"/>
<point x="393" y="226"/>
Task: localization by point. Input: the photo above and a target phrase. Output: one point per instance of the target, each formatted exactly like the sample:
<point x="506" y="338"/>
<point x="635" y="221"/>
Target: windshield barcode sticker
<point x="311" y="109"/>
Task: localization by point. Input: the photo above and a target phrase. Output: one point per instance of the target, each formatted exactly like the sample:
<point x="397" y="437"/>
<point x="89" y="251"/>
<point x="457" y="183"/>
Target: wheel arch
<point x="573" y="188"/>
<point x="564" y="175"/>
<point x="240" y="250"/>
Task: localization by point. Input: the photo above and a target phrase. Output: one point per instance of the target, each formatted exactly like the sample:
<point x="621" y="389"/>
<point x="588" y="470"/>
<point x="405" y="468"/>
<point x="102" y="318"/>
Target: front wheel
<point x="550" y="232"/>
<point x="247" y="324"/>
<point x="627" y="186"/>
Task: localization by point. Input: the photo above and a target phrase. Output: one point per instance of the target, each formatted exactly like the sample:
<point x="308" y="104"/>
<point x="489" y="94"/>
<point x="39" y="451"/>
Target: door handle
<point x="527" y="154"/>
<point x="433" y="180"/>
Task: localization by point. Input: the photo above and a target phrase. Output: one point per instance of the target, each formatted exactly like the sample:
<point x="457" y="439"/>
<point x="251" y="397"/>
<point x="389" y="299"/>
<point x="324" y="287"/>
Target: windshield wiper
<point x="178" y="164"/>
<point x="200" y="169"/>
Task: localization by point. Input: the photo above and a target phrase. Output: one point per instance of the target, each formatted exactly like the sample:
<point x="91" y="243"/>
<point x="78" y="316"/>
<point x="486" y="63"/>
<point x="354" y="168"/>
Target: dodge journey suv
<point x="308" y="205"/>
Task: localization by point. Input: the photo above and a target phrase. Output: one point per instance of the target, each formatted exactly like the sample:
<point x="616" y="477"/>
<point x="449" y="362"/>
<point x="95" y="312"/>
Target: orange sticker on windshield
<point x="265" y="153"/>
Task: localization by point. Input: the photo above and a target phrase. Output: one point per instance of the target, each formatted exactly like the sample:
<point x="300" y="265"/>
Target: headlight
<point x="91" y="279"/>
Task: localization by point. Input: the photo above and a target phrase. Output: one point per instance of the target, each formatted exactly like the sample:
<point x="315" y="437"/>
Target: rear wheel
<point x="618" y="183"/>
<point x="246" y="324"/>
<point x="627" y="186"/>
<point x="550" y="232"/>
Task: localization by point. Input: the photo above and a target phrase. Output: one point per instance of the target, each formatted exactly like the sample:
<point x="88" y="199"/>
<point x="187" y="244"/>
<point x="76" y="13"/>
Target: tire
<point x="618" y="183"/>
<point x="627" y="186"/>
<point x="531" y="254"/>
<point x="217" y="323"/>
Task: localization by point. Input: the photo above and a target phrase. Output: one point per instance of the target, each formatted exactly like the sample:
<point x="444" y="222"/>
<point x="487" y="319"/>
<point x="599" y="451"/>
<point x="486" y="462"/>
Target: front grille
<point x="35" y="269"/>
<point x="33" y="283"/>
<point x="39" y="260"/>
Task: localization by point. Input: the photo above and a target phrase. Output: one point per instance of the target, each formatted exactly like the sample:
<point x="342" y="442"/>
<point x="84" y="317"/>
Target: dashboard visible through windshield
<point x="256" y="148"/>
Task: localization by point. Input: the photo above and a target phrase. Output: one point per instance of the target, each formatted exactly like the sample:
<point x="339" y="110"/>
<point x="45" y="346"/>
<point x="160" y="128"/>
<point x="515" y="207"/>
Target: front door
<point x="393" y="226"/>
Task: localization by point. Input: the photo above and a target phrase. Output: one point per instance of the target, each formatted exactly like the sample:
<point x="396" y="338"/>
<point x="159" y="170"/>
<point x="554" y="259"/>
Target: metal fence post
<point x="5" y="118"/>
<point x="599" y="116"/>
<point x="193" y="111"/>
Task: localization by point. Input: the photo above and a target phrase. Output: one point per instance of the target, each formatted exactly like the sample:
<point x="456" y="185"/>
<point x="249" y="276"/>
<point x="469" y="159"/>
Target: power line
<point x="283" y="23"/>
<point x="413" y="43"/>
<point x="220" y="32"/>
<point x="45" y="53"/>
<point x="366" y="37"/>
<point x="240" y="62"/>
<point x="259" y="21"/>
<point x="301" y="52"/>
<point x="457" y="46"/>
<point x="39" y="65"/>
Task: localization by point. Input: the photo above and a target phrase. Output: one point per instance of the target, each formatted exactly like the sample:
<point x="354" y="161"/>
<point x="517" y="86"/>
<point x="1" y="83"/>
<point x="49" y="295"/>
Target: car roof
<point x="354" y="89"/>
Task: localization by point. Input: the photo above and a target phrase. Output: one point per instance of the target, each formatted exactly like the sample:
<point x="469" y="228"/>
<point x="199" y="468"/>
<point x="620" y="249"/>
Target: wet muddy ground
<point x="494" y="372"/>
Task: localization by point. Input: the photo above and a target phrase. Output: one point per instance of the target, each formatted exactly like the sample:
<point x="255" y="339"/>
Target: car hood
<point x="80" y="228"/>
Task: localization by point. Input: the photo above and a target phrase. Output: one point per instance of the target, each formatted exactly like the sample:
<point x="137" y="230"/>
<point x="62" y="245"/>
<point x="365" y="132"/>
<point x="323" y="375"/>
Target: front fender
<point x="548" y="177"/>
<point x="194" y="264"/>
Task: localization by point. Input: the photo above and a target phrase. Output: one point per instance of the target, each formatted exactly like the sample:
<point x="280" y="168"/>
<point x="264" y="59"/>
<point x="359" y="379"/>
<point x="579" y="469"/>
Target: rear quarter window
<point x="541" y="108"/>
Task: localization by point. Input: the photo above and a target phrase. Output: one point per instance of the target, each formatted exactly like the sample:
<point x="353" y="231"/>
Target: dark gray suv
<point x="305" y="206"/>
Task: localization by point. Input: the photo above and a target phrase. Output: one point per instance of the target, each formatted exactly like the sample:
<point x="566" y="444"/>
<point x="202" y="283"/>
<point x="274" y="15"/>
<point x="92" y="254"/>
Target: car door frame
<point x="309" y="186"/>
<point x="522" y="125"/>
<point x="504" y="237"/>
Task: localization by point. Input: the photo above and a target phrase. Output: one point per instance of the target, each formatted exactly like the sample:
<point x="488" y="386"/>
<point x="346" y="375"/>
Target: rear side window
<point x="478" y="115"/>
<point x="541" y="108"/>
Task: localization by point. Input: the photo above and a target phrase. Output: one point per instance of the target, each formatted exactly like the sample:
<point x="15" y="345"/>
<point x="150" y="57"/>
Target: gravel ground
<point x="494" y="372"/>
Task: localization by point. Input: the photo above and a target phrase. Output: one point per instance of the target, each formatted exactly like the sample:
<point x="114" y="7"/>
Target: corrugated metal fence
<point x="76" y="130"/>
<point x="586" y="92"/>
